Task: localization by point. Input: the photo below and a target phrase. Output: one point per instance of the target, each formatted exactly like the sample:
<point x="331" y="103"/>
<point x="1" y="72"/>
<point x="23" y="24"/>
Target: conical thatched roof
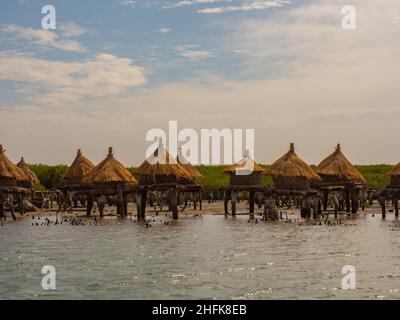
<point x="28" y="172"/>
<point x="161" y="163"/>
<point x="290" y="165"/>
<point x="78" y="169"/>
<point x="245" y="165"/>
<point x="194" y="173"/>
<point x="9" y="171"/>
<point x="336" y="165"/>
<point x="394" y="172"/>
<point x="110" y="170"/>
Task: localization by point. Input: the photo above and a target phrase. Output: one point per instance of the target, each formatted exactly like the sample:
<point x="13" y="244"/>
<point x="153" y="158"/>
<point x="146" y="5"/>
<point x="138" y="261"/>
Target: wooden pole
<point x="325" y="199"/>
<point x="226" y="199"/>
<point x="233" y="203"/>
<point x="89" y="204"/>
<point x="120" y="200"/>
<point x="201" y="199"/>
<point x="354" y="202"/>
<point x="347" y="196"/>
<point x="383" y="204"/>
<point x="143" y="207"/>
<point x="139" y="196"/>
<point x="315" y="207"/>
<point x="125" y="201"/>
<point x="174" y="204"/>
<point x="2" y="216"/>
<point x="251" y="201"/>
<point x="396" y="206"/>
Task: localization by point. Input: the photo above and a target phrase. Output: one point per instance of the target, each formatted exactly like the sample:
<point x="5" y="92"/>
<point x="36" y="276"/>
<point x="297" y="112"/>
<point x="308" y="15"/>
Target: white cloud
<point x="71" y="29"/>
<point x="42" y="38"/>
<point x="248" y="6"/>
<point x="165" y="30"/>
<point x="60" y="82"/>
<point x="130" y="3"/>
<point x="190" y="52"/>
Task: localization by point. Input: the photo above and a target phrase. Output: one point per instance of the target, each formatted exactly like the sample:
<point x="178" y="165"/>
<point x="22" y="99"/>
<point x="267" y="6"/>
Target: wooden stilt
<point x="174" y="204"/>
<point x="139" y="196"/>
<point x="89" y="204"/>
<point x="120" y="201"/>
<point x="226" y="199"/>
<point x="251" y="201"/>
<point x="233" y="203"/>
<point x="325" y="199"/>
<point x="396" y="206"/>
<point x="354" y="201"/>
<point x="125" y="206"/>
<point x="12" y="207"/>
<point x="347" y="196"/>
<point x="383" y="204"/>
<point x="201" y="200"/>
<point x="2" y="216"/>
<point x="315" y="208"/>
<point x="143" y="207"/>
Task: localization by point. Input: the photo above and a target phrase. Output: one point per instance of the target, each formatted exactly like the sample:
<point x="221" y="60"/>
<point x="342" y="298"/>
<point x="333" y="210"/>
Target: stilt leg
<point x="251" y="201"/>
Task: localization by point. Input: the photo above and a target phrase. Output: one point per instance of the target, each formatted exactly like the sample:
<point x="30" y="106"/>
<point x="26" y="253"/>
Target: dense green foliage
<point x="51" y="176"/>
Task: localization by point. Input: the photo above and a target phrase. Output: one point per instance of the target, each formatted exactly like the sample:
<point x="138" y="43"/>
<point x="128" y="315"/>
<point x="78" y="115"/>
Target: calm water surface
<point x="202" y="258"/>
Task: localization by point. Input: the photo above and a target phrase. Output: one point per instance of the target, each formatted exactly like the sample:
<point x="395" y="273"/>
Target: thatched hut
<point x="79" y="168"/>
<point x="335" y="168"/>
<point x="291" y="173"/>
<point x="111" y="177"/>
<point x="161" y="168"/>
<point x="245" y="172"/>
<point x="394" y="175"/>
<point x="10" y="174"/>
<point x="340" y="176"/>
<point x="244" y="176"/>
<point x="13" y="181"/>
<point x="34" y="181"/>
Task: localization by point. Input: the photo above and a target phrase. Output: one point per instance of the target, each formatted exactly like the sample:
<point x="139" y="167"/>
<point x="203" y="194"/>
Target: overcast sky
<point x="114" y="69"/>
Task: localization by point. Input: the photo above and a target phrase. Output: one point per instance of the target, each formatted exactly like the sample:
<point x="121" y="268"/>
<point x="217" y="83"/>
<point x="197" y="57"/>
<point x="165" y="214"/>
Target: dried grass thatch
<point x="290" y="165"/>
<point x="78" y="169"/>
<point x="394" y="172"/>
<point x="194" y="173"/>
<point x="110" y="170"/>
<point x="10" y="174"/>
<point x="161" y="167"/>
<point x="244" y="167"/>
<point x="337" y="167"/>
<point x="28" y="172"/>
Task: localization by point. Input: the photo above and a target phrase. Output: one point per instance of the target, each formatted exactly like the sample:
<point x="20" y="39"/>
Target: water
<point x="207" y="257"/>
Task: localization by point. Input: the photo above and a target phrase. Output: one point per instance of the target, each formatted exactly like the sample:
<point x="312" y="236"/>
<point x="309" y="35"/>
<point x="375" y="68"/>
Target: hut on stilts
<point x="13" y="182"/>
<point x="72" y="185"/>
<point x="110" y="178"/>
<point x="342" y="179"/>
<point x="244" y="176"/>
<point x="293" y="180"/>
<point x="192" y="190"/>
<point x="33" y="182"/>
<point x="392" y="191"/>
<point x="162" y="173"/>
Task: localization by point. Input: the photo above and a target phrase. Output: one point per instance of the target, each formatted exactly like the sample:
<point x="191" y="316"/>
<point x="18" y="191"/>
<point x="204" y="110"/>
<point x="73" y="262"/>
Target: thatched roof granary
<point x="160" y="167"/>
<point x="10" y="174"/>
<point x="291" y="173"/>
<point x="194" y="173"/>
<point x="78" y="170"/>
<point x="109" y="172"/>
<point x="336" y="168"/>
<point x="245" y="172"/>
<point x="28" y="172"/>
<point x="394" y="175"/>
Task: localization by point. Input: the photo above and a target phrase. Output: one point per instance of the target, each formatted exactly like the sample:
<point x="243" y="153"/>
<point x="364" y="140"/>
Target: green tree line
<point x="51" y="176"/>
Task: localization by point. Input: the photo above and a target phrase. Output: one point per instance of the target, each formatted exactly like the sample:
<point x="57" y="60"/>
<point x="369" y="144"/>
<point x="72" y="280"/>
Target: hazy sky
<point x="114" y="69"/>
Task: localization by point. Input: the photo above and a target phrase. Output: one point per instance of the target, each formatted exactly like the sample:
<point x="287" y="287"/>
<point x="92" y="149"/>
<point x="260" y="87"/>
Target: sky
<point x="112" y="70"/>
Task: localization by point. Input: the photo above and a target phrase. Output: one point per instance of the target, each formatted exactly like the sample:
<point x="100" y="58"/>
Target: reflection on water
<point x="202" y="258"/>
